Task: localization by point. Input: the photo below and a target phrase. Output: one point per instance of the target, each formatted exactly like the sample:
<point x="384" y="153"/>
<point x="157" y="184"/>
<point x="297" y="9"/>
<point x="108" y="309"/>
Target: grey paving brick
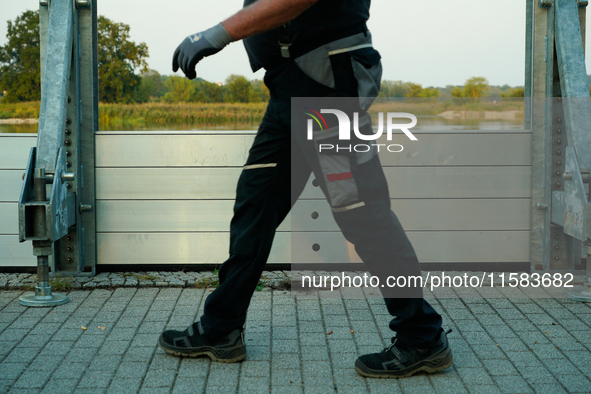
<point x="13" y="334"/>
<point x="342" y="346"/>
<point x="258" y="353"/>
<point x="348" y="377"/>
<point x="538" y="374"/>
<point x="60" y="386"/>
<point x="60" y="348"/>
<point x="145" y="340"/>
<point x="256" y="369"/>
<point x="286" y="361"/>
<point x="512" y="384"/>
<point x="318" y="338"/>
<point x="287" y="389"/>
<point x="152" y="327"/>
<point x="285" y="346"/>
<point x="86" y="341"/>
<point x="154" y="390"/>
<point x="165" y="361"/>
<point x="128" y="369"/>
<point x="45" y="362"/>
<point x="95" y="379"/>
<point x="343" y="360"/>
<point x="548" y="388"/>
<point x="285" y="377"/>
<point x="546" y="351"/>
<point x="139" y="353"/>
<point x="33" y="379"/>
<point x="254" y="385"/>
<point x="500" y="368"/>
<point x="311" y="327"/>
<point x="68" y="370"/>
<point x="484" y="389"/>
<point x="21" y="355"/>
<point x="114" y="348"/>
<point x="488" y="352"/>
<point x="12" y="370"/>
<point x="416" y="384"/>
<point x="474" y="376"/>
<point x="195" y="367"/>
<point x="314" y="353"/>
<point x="447" y="381"/>
<point x="159" y="378"/>
<point x="124" y="385"/>
<point x="190" y="385"/>
<point x="68" y="334"/>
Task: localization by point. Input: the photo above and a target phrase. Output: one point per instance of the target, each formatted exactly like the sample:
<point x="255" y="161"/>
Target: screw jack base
<point x="43" y="297"/>
<point x="583" y="295"/>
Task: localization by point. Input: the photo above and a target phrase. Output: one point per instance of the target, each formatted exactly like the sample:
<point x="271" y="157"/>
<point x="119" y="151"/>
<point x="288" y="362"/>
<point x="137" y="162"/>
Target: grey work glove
<point x="197" y="46"/>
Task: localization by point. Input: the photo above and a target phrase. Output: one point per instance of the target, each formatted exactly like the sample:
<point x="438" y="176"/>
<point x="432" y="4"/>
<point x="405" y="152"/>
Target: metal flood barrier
<point x="117" y="198"/>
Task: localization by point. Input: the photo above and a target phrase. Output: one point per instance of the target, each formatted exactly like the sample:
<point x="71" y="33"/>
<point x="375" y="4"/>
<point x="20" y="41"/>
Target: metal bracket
<point x="583" y="3"/>
<point x="44" y="3"/>
<point x="82" y="3"/>
<point x="577" y="211"/>
<point x="545" y="3"/>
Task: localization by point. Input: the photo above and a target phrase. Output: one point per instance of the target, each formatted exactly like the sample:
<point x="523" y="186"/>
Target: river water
<point x="424" y="123"/>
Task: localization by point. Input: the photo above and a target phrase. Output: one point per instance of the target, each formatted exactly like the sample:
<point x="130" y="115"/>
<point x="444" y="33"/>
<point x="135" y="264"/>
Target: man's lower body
<point x="277" y="170"/>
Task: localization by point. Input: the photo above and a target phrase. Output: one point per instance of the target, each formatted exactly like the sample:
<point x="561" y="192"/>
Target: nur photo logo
<point x="346" y="125"/>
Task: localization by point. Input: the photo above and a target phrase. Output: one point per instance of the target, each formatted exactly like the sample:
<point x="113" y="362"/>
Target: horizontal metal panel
<point x="172" y="150"/>
<point x="212" y="248"/>
<point x="220" y="183"/>
<point x="309" y="215"/>
<point x="8" y="218"/>
<point x="11" y="182"/>
<point x="14" y="151"/>
<point x="448" y="149"/>
<point x="221" y="150"/>
<point x="15" y="254"/>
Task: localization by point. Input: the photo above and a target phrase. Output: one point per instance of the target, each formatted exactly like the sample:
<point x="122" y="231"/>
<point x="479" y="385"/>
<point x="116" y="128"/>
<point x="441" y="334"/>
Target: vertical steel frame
<point x="554" y="75"/>
<point x="56" y="207"/>
<point x="75" y="254"/>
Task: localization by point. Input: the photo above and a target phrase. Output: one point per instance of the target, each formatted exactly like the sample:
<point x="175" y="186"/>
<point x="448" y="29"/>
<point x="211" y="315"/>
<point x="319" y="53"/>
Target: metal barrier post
<point x="56" y="200"/>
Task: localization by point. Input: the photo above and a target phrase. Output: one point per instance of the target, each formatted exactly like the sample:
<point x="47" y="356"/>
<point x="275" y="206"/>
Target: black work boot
<point x="192" y="342"/>
<point x="400" y="360"/>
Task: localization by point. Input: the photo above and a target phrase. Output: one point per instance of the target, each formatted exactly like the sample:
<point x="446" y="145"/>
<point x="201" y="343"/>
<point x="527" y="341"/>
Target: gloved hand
<point x="197" y="46"/>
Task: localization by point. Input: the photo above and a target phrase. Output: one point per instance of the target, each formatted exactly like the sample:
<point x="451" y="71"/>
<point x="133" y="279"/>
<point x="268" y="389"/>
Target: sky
<point x="434" y="43"/>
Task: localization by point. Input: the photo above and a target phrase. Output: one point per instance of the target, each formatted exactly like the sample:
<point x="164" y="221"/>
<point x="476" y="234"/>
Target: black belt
<point x="298" y="49"/>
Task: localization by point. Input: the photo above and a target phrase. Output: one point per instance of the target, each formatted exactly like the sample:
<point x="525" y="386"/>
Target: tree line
<point x="125" y="78"/>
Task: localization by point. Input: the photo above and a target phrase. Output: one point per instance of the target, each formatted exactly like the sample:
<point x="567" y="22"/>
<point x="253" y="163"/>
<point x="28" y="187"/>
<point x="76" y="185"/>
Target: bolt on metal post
<point x="41" y="249"/>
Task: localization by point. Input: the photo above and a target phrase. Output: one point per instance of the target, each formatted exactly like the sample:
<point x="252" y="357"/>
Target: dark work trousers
<point x="268" y="188"/>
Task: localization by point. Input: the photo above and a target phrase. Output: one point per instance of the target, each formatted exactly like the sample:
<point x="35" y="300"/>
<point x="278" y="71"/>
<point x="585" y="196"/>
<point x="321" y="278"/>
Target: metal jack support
<point x="42" y="249"/>
<point x="56" y="205"/>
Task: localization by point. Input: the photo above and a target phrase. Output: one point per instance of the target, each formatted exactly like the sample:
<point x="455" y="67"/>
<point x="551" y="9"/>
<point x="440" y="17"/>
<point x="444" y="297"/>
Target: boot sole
<point x="231" y="355"/>
<point x="438" y="363"/>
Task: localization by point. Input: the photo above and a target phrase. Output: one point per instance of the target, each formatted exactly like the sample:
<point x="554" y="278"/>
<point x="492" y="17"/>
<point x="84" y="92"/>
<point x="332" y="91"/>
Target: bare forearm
<point x="264" y="15"/>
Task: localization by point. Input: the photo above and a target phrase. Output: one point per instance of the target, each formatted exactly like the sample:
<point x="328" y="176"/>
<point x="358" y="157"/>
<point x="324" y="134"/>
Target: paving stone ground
<point x="520" y="344"/>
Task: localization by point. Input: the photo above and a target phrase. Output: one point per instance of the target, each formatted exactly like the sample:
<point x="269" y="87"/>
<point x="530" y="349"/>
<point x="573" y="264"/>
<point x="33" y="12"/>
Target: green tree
<point x="238" y="89"/>
<point x="210" y="92"/>
<point x="475" y="87"/>
<point x="151" y="87"/>
<point x="19" y="59"/>
<point x="118" y="60"/>
<point x="260" y="92"/>
<point x="415" y="90"/>
<point x="514" y="92"/>
<point x="394" y="89"/>
<point x="180" y="89"/>
<point x="430" y="92"/>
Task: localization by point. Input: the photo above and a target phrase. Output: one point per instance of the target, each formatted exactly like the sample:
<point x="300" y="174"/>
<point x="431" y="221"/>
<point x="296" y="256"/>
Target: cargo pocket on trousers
<point x="367" y="67"/>
<point x="335" y="167"/>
